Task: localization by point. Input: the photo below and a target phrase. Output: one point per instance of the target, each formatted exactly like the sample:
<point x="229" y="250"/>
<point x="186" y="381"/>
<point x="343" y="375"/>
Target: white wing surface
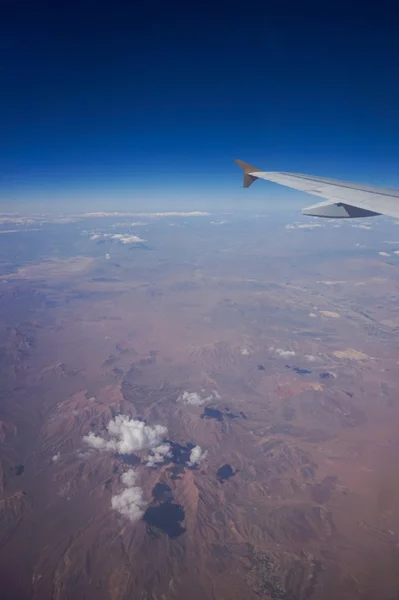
<point x="343" y="199"/>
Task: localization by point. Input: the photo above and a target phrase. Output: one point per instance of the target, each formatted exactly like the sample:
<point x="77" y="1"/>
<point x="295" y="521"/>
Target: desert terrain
<point x="199" y="406"/>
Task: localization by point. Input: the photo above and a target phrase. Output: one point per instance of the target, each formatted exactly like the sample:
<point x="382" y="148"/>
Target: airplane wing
<point x="343" y="199"/>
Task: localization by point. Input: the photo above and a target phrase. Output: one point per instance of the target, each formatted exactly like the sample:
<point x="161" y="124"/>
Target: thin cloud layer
<point x="362" y="226"/>
<point x="304" y="226"/>
<point x="193" y="213"/>
<point x="126" y="436"/>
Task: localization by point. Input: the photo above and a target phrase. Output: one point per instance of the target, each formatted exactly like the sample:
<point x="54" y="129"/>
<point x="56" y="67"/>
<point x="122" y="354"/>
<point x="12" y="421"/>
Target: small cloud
<point x="244" y="351"/>
<point x="313" y="315"/>
<point x="197" y="455"/>
<point x="329" y="314"/>
<point x="311" y="358"/>
<point x="129" y="503"/>
<point x="129" y="478"/>
<point x="396" y="251"/>
<point x="123" y="238"/>
<point x="362" y="226"/>
<point x="107" y="256"/>
<point x="383" y="254"/>
<point x="158" y="454"/>
<point x="195" y="399"/>
<point x="56" y="457"/>
<point x="126" y="238"/>
<point x="284" y="353"/>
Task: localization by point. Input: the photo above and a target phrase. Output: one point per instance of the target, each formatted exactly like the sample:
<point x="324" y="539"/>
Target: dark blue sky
<point x="117" y="103"/>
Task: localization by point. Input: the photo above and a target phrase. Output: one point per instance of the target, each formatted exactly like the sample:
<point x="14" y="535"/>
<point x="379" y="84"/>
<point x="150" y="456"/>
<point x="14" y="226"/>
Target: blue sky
<point x="123" y="106"/>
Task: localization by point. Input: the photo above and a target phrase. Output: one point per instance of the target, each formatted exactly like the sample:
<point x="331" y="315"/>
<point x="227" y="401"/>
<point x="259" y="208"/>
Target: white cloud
<point x="244" y="351"/>
<point x="284" y="353"/>
<point x="123" y="238"/>
<point x="126" y="238"/>
<point x="396" y="252"/>
<point x="193" y="213"/>
<point x="16" y="220"/>
<point x="304" y="226"/>
<point x="313" y="315"/>
<point x="56" y="457"/>
<point x="197" y="455"/>
<point x="107" y="256"/>
<point x="310" y="358"/>
<point x="158" y="455"/>
<point x="130" y="502"/>
<point x="383" y="254"/>
<point x="106" y="214"/>
<point x="129" y="478"/>
<point x="195" y="399"/>
<point x="127" y="436"/>
<point x="362" y="226"/>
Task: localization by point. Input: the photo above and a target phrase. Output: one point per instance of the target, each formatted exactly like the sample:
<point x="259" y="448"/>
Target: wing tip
<point x="248" y="169"/>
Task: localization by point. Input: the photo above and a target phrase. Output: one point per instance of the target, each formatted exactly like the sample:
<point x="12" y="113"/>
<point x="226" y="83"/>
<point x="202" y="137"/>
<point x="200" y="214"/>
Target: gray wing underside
<point x="343" y="199"/>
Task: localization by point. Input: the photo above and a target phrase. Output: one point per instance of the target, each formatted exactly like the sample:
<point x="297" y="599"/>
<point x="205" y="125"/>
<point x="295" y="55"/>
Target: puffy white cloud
<point x="129" y="478"/>
<point x="130" y="502"/>
<point x="384" y="254"/>
<point x="396" y="252"/>
<point x="158" y="455"/>
<point x="126" y="238"/>
<point x="197" y="455"/>
<point x="56" y="457"/>
<point x="192" y="398"/>
<point x="107" y="256"/>
<point x="244" y="351"/>
<point x="127" y="435"/>
<point x="313" y="315"/>
<point x="284" y="353"/>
